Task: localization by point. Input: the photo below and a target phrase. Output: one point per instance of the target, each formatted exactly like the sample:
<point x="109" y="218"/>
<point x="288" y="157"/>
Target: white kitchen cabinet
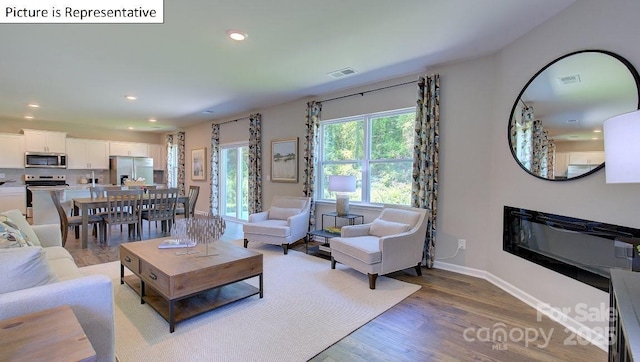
<point x="45" y="141"/>
<point x="13" y="197"/>
<point x="561" y="164"/>
<point x="84" y="154"/>
<point x="157" y="152"/>
<point x="11" y="150"/>
<point x="128" y="149"/>
<point x="586" y="158"/>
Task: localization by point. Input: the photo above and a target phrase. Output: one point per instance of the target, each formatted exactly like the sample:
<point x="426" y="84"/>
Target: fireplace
<point x="584" y="250"/>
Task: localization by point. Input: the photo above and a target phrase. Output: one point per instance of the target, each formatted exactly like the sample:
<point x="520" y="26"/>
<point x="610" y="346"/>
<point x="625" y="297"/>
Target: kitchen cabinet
<point x="128" y="149"/>
<point x="561" y="165"/>
<point x="12" y="150"/>
<point x="13" y="197"/>
<point x="157" y="152"/>
<point x="586" y="158"/>
<point x="45" y="141"/>
<point x="84" y="154"/>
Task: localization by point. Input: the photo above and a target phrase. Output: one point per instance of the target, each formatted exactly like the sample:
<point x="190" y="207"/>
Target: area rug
<point x="306" y="308"/>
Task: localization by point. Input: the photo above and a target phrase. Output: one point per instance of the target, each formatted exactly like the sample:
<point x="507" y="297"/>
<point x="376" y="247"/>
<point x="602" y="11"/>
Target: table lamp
<point x="622" y="148"/>
<point x="340" y="185"/>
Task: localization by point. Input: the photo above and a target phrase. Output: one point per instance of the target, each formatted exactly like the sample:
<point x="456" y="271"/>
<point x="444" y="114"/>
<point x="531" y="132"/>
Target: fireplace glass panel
<point x="581" y="249"/>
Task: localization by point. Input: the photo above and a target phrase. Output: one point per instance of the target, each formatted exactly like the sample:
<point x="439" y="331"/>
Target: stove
<point x="41" y="180"/>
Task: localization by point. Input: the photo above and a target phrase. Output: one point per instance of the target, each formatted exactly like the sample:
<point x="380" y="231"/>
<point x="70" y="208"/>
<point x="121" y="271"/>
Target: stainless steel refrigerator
<point x="132" y="168"/>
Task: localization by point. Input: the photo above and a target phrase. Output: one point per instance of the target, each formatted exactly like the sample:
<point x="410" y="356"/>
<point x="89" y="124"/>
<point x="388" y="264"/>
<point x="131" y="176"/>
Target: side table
<point x="327" y="234"/>
<point x="49" y="335"/>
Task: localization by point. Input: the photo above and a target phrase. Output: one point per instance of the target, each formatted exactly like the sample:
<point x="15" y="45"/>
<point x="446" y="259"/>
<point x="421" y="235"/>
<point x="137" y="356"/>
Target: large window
<point x="375" y="148"/>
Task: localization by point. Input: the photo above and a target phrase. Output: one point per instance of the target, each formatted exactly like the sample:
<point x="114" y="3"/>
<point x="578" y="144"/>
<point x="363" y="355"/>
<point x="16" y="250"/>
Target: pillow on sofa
<point x="23" y="268"/>
<point x="282" y="213"/>
<point x="23" y="225"/>
<point x="10" y="235"/>
<point x="382" y="228"/>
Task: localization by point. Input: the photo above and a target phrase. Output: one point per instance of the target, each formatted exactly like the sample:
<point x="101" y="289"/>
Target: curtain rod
<point x="369" y="91"/>
<point x="234" y="120"/>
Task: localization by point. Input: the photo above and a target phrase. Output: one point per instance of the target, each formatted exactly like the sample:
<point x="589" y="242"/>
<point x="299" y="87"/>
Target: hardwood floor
<point x="451" y="318"/>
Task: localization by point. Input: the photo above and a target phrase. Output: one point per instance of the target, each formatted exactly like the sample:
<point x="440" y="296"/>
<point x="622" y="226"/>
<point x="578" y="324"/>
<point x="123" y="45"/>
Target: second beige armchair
<point x="286" y="222"/>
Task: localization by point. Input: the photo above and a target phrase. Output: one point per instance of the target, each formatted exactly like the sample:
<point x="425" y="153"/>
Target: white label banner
<point x="82" y="11"/>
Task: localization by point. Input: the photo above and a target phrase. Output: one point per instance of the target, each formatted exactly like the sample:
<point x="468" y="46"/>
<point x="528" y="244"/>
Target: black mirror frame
<point x="623" y="60"/>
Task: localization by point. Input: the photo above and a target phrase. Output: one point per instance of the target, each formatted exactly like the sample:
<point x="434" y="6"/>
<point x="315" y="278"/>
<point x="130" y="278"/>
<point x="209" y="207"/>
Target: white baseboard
<point x="594" y="337"/>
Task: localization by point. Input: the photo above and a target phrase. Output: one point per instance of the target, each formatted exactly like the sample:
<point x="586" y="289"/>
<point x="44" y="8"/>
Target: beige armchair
<point x="394" y="241"/>
<point x="286" y="222"/>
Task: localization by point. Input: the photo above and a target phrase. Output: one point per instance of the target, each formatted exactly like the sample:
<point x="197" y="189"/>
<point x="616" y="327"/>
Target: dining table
<point x="82" y="205"/>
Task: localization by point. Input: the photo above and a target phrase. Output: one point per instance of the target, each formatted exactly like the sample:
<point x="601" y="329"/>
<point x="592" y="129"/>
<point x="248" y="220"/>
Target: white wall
<point x="478" y="175"/>
<point x="588" y="24"/>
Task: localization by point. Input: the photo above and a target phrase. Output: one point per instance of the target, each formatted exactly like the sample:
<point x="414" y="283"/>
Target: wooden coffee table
<point x="170" y="282"/>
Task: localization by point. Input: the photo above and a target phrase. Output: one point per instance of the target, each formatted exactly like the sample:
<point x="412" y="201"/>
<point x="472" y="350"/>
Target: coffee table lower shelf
<point x="192" y="305"/>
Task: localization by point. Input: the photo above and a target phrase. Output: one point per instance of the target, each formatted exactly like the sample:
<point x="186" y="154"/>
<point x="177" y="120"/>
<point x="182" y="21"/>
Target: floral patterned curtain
<point x="424" y="192"/>
<point x="176" y="164"/>
<point x="215" y="162"/>
<point x="255" y="163"/>
<point x="522" y="137"/>
<point x="181" y="162"/>
<point x="543" y="151"/>
<point x="314" y="109"/>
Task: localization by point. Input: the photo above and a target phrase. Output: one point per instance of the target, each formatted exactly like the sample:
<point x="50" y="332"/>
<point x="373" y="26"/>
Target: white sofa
<point x="50" y="278"/>
<point x="286" y="222"/>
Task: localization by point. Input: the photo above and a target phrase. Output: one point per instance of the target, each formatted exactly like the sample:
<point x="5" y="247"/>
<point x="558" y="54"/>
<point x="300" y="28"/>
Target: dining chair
<point x="194" y="191"/>
<point x="161" y="207"/>
<point x="124" y="207"/>
<point x="67" y="221"/>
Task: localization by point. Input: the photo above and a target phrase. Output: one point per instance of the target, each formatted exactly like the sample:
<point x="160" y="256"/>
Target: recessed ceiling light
<point x="597" y="130"/>
<point x="236" y="35"/>
<point x="153" y="120"/>
<point x="131" y="98"/>
<point x="594" y="138"/>
<point x="28" y="117"/>
<point x="130" y="127"/>
<point x="33" y="105"/>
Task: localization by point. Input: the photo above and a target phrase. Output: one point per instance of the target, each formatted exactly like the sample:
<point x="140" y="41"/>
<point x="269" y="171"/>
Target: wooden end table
<point x="49" y="335"/>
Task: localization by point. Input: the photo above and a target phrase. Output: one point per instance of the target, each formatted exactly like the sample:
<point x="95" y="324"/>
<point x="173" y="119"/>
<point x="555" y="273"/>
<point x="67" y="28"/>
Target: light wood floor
<point x="451" y="318"/>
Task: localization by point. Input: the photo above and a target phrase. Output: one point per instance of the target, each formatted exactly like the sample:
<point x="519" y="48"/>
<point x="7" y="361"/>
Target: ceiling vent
<point x="342" y="73"/>
<point x="570" y="79"/>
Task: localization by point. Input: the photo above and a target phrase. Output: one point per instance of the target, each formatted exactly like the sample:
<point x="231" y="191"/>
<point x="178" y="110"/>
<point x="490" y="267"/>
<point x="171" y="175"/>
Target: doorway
<point x="234" y="183"/>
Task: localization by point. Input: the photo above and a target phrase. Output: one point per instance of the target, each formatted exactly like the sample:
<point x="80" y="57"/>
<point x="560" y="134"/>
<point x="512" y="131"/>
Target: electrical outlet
<point x="462" y="244"/>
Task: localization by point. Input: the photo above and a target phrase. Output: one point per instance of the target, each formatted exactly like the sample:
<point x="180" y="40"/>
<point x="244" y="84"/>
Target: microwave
<point x="45" y="160"/>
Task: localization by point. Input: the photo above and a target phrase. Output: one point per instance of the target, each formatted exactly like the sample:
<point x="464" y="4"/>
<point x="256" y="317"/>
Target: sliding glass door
<point x="234" y="182"/>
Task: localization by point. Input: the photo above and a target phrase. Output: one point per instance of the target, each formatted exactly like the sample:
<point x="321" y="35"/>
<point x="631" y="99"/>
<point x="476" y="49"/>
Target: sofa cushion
<point x="364" y="248"/>
<point x="269" y="227"/>
<point x="10" y="235"/>
<point x="23" y="268"/>
<point x="22" y="223"/>
<point x="382" y="228"/>
<point x="282" y="213"/>
<point x="57" y="252"/>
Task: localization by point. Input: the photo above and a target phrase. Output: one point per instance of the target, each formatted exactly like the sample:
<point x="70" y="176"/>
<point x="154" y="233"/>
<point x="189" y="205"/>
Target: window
<point x="172" y="165"/>
<point x="375" y="148"/>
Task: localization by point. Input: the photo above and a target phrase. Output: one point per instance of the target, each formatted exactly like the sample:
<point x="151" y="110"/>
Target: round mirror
<point x="555" y="129"/>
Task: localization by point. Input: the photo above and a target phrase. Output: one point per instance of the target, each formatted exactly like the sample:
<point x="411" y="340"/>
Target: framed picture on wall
<point x="284" y="160"/>
<point x="199" y="164"/>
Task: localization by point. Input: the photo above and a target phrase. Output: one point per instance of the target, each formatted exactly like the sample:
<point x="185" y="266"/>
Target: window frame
<point x="366" y="161"/>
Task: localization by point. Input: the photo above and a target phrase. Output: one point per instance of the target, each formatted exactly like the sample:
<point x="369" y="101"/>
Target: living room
<point x="478" y="175"/>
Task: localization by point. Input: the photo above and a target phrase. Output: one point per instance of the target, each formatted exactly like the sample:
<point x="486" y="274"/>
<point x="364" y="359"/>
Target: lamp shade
<point x="342" y="183"/>
<point x="622" y="148"/>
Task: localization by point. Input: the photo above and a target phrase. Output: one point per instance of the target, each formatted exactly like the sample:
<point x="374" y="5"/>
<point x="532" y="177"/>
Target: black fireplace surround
<point x="584" y="250"/>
